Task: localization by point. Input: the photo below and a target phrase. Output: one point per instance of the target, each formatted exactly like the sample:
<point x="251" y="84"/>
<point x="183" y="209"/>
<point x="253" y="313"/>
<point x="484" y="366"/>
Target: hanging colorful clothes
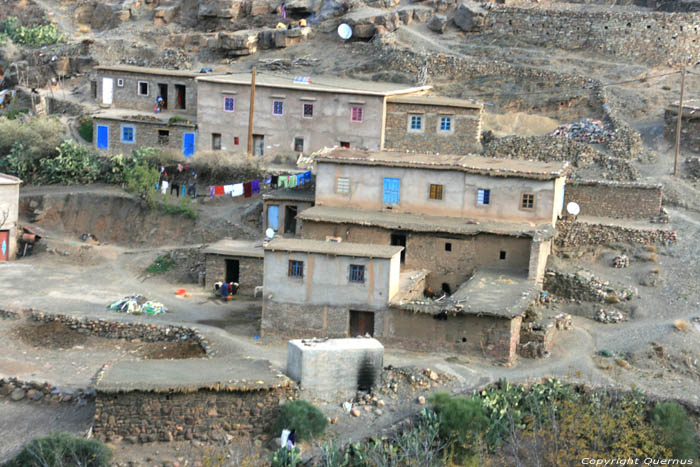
<point x="282" y="180"/>
<point x="228" y="189"/>
<point x="292" y="181"/>
<point x="255" y="186"/>
<point x="268" y="179"/>
<point x="300" y="179"/>
<point x="211" y="191"/>
<point x="274" y="180"/>
<point x="164" y="187"/>
<point x="219" y="190"/>
<point x="247" y="191"/>
<point x="307" y="176"/>
<point x="183" y="191"/>
<point x="237" y="190"/>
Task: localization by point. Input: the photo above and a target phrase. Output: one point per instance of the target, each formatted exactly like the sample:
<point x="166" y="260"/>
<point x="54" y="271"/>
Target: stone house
<point x="234" y="261"/>
<point x="453" y="214"/>
<point x="119" y="131"/>
<point x="281" y="206"/>
<point x="9" y="212"/>
<point x="292" y="114"/>
<point x="432" y="124"/>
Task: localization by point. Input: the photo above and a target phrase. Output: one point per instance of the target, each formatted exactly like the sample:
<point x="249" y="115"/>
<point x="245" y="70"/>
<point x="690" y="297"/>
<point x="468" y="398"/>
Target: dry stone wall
<point x="16" y="390"/>
<point x="576" y="234"/>
<point x="615" y="199"/>
<point x="205" y="415"/>
<point x="583" y="286"/>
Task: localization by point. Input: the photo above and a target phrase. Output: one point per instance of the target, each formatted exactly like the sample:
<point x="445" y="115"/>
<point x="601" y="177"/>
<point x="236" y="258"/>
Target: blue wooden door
<point x="188" y="144"/>
<point x="102" y="137"/>
<point x="392" y="186"/>
<point x="273" y="216"/>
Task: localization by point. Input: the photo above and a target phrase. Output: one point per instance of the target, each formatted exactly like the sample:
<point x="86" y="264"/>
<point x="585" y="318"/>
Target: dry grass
<point x="656" y="271"/>
<point x="612" y="298"/>
<point x="651" y="248"/>
<point x="681" y="325"/>
<point x="653" y="258"/>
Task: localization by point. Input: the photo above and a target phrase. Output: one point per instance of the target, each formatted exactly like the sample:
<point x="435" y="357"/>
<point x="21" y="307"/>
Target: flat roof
<point x="436" y="100"/>
<point x="499" y="294"/>
<point x="292" y="194"/>
<point x="236" y="248"/>
<point x="422" y="223"/>
<point x="143" y="116"/>
<point x="148" y="70"/>
<point x="317" y="84"/>
<point x="9" y="180"/>
<point x="187" y="375"/>
<point x="469" y="163"/>
<point x="358" y="250"/>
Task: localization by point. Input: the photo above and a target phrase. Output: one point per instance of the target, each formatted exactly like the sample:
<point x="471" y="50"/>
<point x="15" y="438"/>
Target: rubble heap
<point x="610" y="316"/>
<point x="586" y="131"/>
<point x="621" y="261"/>
<point x="583" y="286"/>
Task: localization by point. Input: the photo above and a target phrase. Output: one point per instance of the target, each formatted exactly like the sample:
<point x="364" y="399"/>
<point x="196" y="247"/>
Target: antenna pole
<point x="678" y="127"/>
<point x="250" y="116"/>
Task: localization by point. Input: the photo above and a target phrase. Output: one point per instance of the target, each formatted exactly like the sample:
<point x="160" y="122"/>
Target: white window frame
<point x="342" y="185"/>
<point x="439" y="124"/>
<point x="148" y="88"/>
<point x="409" y="126"/>
<point x="120" y="82"/>
<point x="121" y="134"/>
<point x="233" y="100"/>
<point x="484" y="190"/>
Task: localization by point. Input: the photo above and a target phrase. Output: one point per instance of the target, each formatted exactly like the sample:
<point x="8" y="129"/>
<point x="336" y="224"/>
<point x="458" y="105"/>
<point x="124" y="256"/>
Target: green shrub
<point x="676" y="430"/>
<point x="37" y="35"/>
<point x="62" y="450"/>
<point x="85" y="128"/>
<point x="12" y="114"/>
<point x="184" y="207"/>
<point x="301" y="416"/>
<point x="161" y="265"/>
<point x="462" y="419"/>
<point x="176" y="119"/>
<point x="141" y="180"/>
<point x="74" y="164"/>
<point x="285" y="457"/>
<point x="41" y="137"/>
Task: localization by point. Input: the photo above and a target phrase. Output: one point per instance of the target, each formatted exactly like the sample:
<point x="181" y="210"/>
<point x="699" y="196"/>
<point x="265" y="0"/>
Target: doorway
<point x="361" y="323"/>
<point x="399" y="239"/>
<point x="232" y="270"/>
<point x="163" y="92"/>
<point x="4" y="245"/>
<point x="107" y="90"/>
<point x="290" y="219"/>
<point x="258" y="145"/>
<point x="181" y="94"/>
<point x="93" y="89"/>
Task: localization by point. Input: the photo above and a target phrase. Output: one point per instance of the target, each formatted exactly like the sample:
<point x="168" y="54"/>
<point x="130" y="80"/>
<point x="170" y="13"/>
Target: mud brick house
<point x="292" y="114"/>
<point x="453" y="214"/>
<point x="432" y="124"/>
<point x="319" y="288"/>
<point x="235" y="261"/>
<point x="120" y="131"/>
<point x="281" y="206"/>
<point x="690" y="125"/>
<point x="9" y="211"/>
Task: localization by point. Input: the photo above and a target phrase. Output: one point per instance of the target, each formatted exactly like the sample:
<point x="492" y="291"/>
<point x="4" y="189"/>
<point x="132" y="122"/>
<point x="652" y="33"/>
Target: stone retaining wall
<point x="574" y="234"/>
<point x="537" y="339"/>
<point x="9" y="314"/>
<point x="583" y="286"/>
<point x="614" y="199"/>
<point x="41" y="393"/>
<point x="126" y="330"/>
<point x="205" y="415"/>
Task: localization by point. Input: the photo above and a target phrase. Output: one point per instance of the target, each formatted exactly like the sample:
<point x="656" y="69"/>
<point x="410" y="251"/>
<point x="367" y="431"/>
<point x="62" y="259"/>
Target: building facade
<point x="9" y="213"/>
<point x="281" y="207"/>
<point x="234" y="261"/>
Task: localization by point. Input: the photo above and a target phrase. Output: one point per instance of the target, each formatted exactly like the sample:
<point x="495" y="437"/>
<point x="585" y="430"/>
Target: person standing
<point x="292" y="439"/>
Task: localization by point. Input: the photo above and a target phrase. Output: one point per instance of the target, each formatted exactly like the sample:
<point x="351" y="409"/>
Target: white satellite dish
<point x="573" y="208"/>
<point x="345" y="31"/>
<point x="269" y="233"/>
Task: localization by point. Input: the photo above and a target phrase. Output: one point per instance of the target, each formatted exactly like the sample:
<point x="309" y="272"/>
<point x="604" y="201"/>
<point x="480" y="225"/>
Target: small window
<point x="357" y="273"/>
<point x="445" y="123"/>
<point x="298" y="144"/>
<point x="345" y="144"/>
<point x="229" y="104"/>
<point x="277" y="107"/>
<point x="415" y="122"/>
<point x="296" y="268"/>
<point x="483" y="196"/>
<point x="216" y="141"/>
<point x="163" y="137"/>
<point x="502" y="255"/>
<point x="356" y="114"/>
<point x="448" y="246"/>
<point x="120" y="82"/>
<point x="527" y="201"/>
<point x="308" y="111"/>
<point x="435" y="191"/>
<point x="342" y="185"/>
<point x="128" y="134"/>
<point x="143" y="88"/>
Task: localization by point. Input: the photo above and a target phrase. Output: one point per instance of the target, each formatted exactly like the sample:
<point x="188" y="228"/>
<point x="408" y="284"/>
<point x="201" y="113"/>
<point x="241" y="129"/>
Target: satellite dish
<point x="345" y="31"/>
<point x="269" y="233"/>
<point x="573" y="208"/>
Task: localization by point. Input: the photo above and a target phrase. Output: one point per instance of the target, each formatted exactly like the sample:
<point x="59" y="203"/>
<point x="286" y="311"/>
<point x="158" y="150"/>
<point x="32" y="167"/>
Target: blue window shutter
<point x="273" y="213"/>
<point x="102" y="137"/>
<point x="487" y="196"/>
<point x="392" y="187"/>
<point x="188" y="144"/>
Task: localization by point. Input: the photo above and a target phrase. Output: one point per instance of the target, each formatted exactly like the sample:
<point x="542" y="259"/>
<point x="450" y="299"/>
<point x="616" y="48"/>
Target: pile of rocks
<point x="621" y="261"/>
<point x="583" y="286"/>
<point x="397" y="382"/>
<point x="692" y="166"/>
<point x="364" y="402"/>
<point x="30" y="391"/>
<point x="585" y="131"/>
<point x="576" y="234"/>
<point x="609" y="316"/>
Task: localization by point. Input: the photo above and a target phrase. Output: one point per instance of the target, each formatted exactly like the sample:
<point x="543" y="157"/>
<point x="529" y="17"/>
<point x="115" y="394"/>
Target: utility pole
<point x="250" y="116"/>
<point x="678" y="127"/>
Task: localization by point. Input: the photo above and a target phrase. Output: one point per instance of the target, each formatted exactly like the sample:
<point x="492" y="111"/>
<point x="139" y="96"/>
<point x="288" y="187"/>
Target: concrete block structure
<point x="336" y="367"/>
<point x="235" y="261"/>
<point x="281" y="206"/>
<point x="327" y="289"/>
<point x="9" y="212"/>
<point x="432" y="124"/>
